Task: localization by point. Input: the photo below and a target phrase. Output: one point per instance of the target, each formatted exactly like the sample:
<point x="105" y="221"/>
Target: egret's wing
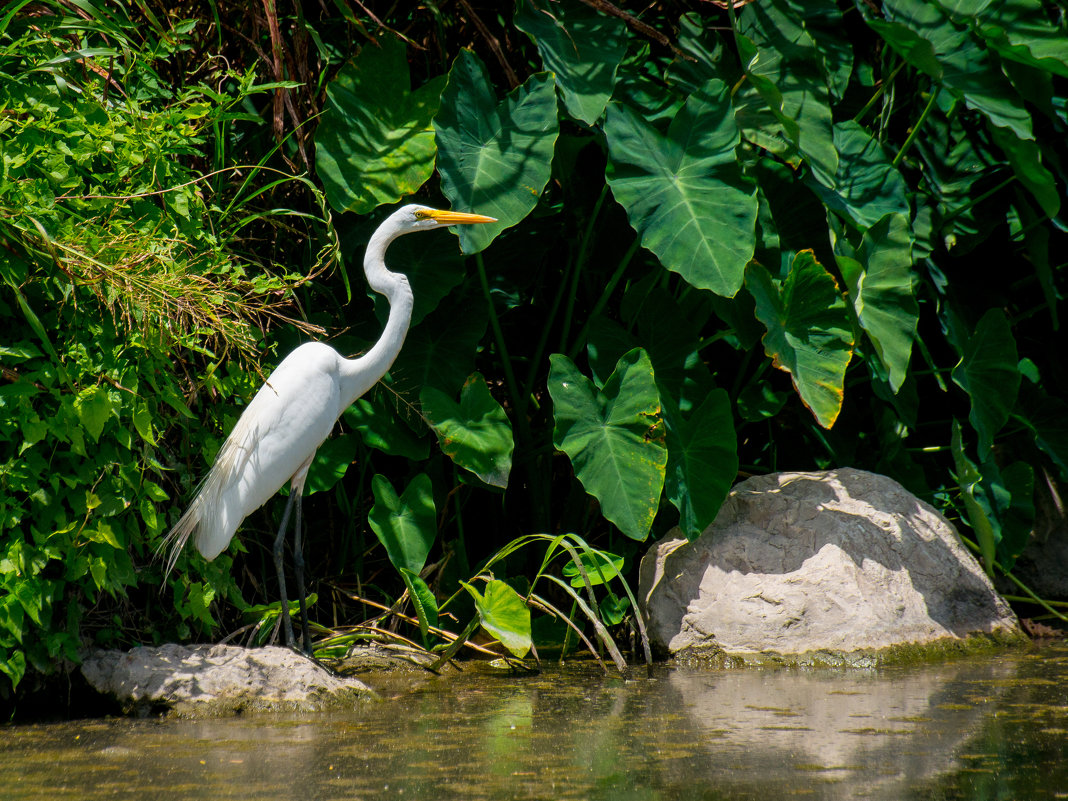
<point x="202" y="517"/>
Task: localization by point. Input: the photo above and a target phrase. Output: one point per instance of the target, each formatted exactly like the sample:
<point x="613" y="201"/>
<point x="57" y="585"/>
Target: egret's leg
<point x="298" y="570"/>
<point x="287" y="624"/>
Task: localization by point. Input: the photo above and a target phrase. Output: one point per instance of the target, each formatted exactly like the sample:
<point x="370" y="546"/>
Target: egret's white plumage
<point x="291" y="415"/>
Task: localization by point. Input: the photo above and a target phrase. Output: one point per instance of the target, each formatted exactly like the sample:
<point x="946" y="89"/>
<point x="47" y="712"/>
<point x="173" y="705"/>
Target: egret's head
<point x="422" y="218"/>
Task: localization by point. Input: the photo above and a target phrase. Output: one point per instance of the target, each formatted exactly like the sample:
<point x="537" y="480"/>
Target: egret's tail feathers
<point x="178" y="536"/>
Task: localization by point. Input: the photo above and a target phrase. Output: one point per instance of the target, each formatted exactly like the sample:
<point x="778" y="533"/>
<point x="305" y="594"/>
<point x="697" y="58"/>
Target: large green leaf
<point x="405" y="525"/>
<point x="866" y="186"/>
<point x="374" y="144"/>
<point x="809" y="334"/>
<point x="581" y="47"/>
<point x="989" y="372"/>
<point x="684" y="193"/>
<point x="504" y="614"/>
<point x="613" y="437"/>
<point x="494" y="158"/>
<point x="880" y="282"/>
<point x="702" y="459"/>
<point x="787" y="69"/>
<point x="474" y="433"/>
<point x="927" y="38"/>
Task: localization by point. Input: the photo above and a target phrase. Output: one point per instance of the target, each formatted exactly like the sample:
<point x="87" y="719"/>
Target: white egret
<point x="291" y="415"/>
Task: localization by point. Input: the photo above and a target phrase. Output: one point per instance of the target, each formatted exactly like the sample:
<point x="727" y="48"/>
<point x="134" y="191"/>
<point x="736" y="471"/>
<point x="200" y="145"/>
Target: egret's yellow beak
<point x="456" y="217"/>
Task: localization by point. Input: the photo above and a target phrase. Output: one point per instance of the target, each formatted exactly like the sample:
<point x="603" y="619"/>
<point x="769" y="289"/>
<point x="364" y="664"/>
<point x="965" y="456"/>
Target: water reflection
<point x="946" y="731"/>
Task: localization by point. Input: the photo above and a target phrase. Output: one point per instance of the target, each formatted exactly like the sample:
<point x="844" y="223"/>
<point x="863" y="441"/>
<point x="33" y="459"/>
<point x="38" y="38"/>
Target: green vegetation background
<point x="785" y="236"/>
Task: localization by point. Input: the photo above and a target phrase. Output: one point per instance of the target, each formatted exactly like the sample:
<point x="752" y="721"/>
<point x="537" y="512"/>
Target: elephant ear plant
<point x="729" y="241"/>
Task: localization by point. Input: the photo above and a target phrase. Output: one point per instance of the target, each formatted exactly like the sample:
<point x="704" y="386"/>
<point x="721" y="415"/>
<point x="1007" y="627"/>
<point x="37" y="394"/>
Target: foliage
<point x="114" y="266"/>
<point x="782" y="236"/>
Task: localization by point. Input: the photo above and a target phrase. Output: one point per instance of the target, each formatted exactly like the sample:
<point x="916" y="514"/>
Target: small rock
<point x="842" y="561"/>
<point x="212" y="680"/>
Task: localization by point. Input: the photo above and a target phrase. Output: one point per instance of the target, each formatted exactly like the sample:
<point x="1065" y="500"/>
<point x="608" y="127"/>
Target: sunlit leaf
<point x="702" y="459"/>
<point x="600" y="568"/>
<point x="405" y="525"/>
<point x="494" y="158"/>
<point x="613" y="437"/>
<point x="374" y="143"/>
<point x="504" y="614"/>
<point x="94" y="407"/>
<point x="808" y="331"/>
<point x="142" y="420"/>
<point x="474" y="433"/>
<point x="880" y="284"/>
<point x="581" y="47"/>
<point x="988" y="371"/>
<point x="683" y="192"/>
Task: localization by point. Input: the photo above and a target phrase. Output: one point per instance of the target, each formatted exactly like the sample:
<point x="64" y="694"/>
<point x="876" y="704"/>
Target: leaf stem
<point x="883" y="86"/>
<point x="916" y="128"/>
<point x="580" y="260"/>
<point x="605" y="295"/>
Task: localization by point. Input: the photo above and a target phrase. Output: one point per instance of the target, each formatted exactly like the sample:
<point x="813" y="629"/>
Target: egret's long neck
<point x="359" y="375"/>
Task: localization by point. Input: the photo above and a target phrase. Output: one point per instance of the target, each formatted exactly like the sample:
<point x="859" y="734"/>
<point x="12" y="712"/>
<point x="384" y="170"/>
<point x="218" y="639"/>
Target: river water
<point x="982" y="728"/>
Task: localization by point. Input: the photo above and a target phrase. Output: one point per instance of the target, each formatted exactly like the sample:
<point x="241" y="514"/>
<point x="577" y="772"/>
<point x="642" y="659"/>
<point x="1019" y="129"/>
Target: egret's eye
<point x="422" y="214"/>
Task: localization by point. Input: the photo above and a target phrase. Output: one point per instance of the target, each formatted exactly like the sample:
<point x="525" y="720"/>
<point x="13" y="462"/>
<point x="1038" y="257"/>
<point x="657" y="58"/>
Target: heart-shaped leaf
<point x="374" y="144"/>
<point x="613" y="437"/>
<point x="809" y="331"/>
<point x="600" y="568"/>
<point x="474" y="433"/>
<point x="494" y="158"/>
<point x="684" y="193"/>
<point x="406" y="525"/>
<point x="504" y="614"/>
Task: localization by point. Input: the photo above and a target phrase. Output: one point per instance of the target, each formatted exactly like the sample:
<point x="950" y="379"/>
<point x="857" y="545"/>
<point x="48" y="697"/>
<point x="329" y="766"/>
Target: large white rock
<point x="838" y="561"/>
<point x="209" y="680"/>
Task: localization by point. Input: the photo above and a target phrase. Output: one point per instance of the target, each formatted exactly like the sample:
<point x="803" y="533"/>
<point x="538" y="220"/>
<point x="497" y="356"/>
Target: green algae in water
<point x="571" y="732"/>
